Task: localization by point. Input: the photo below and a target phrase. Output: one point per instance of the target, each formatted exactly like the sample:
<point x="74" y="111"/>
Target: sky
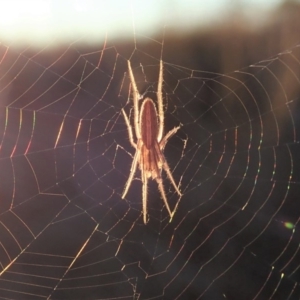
<point x="42" y="20"/>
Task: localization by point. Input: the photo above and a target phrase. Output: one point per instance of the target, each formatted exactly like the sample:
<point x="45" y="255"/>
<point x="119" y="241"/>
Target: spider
<point x="150" y="144"/>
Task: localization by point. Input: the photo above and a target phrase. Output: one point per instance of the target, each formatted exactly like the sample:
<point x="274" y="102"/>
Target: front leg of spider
<point x="149" y="126"/>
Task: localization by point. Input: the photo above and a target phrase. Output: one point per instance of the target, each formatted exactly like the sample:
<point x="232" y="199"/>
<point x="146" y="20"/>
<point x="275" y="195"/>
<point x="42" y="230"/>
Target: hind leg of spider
<point x="132" y="172"/>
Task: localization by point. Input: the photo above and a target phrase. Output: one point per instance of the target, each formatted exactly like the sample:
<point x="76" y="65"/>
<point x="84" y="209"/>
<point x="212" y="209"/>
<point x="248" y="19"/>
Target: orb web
<point x="65" y="157"/>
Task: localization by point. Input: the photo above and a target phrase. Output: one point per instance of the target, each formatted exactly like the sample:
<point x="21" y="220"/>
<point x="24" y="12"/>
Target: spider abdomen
<point x="148" y="123"/>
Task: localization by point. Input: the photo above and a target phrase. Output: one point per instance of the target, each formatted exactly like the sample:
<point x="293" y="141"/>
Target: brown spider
<point x="149" y="127"/>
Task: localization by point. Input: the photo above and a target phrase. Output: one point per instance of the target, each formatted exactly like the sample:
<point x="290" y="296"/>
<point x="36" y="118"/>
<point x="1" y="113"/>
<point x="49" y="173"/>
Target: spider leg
<point x="163" y="195"/>
<point x="129" y="128"/>
<point x="132" y="172"/>
<point x="160" y="102"/>
<point x="136" y="97"/>
<point x="165" y="139"/>
<point x="167" y="169"/>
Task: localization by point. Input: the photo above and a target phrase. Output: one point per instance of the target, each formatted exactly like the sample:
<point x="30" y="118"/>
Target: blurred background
<point x="42" y="21"/>
<point x="254" y="29"/>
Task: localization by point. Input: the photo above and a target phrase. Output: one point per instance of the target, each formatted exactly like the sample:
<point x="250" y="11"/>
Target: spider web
<point x="65" y="232"/>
